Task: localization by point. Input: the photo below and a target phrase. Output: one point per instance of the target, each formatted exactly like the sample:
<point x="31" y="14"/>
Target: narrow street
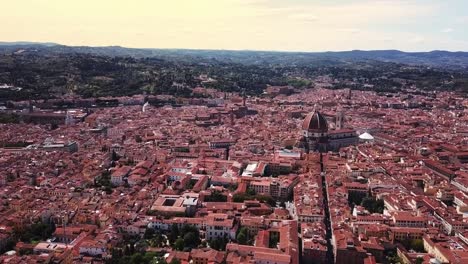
<point x="330" y="256"/>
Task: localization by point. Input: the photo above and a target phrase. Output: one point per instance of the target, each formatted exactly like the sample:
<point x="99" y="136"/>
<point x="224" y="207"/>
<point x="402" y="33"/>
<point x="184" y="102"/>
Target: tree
<point x="191" y="240"/>
<point x="175" y="261"/>
<point x="136" y="258"/>
<point x="124" y="260"/>
<point x="274" y="239"/>
<point x="218" y="243"/>
<point x="413" y="244"/>
<point x="373" y="205"/>
<point x="9" y="118"/>
<point x="241" y="197"/>
<point x="251" y="191"/>
<point x="114" y="156"/>
<point x="179" y="244"/>
<point x="149" y="233"/>
<point x="419" y="260"/>
<point x="35" y="232"/>
<point x="356" y="198"/>
<point x="141" y="245"/>
<point x="158" y="240"/>
<point x="174" y="234"/>
<point x="190" y="237"/>
<point x="242" y="236"/>
<point x="216" y="196"/>
<point x="127" y="250"/>
<point x="417" y="245"/>
<point x="393" y="258"/>
<point x="159" y="260"/>
<point x="214" y="244"/>
<point x="116" y="253"/>
<point x="148" y="257"/>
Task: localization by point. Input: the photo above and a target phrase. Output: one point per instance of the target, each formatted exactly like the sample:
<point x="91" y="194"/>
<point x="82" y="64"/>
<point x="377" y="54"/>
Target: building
<point x="206" y="256"/>
<point x="219" y="226"/>
<point x="317" y="137"/>
<point x="314" y="244"/>
<point x="117" y="177"/>
<point x="93" y="248"/>
<point x="175" y="205"/>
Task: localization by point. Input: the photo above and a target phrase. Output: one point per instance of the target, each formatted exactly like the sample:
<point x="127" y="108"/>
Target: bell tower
<point x="339" y="123"/>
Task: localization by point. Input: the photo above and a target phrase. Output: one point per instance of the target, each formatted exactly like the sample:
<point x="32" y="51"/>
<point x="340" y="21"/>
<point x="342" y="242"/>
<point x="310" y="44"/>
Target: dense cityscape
<point x="314" y="174"/>
<point x="234" y="132"/>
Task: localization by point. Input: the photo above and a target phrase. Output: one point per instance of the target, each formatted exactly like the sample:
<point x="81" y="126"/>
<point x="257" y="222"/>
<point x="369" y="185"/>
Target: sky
<point x="283" y="25"/>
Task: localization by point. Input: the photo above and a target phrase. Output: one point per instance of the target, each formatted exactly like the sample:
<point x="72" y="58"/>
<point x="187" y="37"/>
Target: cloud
<point x="447" y="30"/>
<point x="306" y="25"/>
<point x="462" y="20"/>
<point x="417" y="39"/>
<point x="387" y="39"/>
<point x="305" y="17"/>
<point x="349" y="30"/>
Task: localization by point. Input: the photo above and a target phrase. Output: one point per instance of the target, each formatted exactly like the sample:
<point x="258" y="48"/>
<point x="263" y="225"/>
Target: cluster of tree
<point x="9" y="245"/>
<point x="155" y="238"/>
<point x="133" y="249"/>
<point x="216" y="196"/>
<point x="251" y="195"/>
<point x="44" y="77"/>
<point x="132" y="257"/>
<point x="103" y="181"/>
<point x="6" y="118"/>
<point x="355" y="198"/>
<point x="243" y="237"/>
<point x="300" y="83"/>
<point x="373" y="205"/>
<point x="41" y="76"/>
<point x="35" y="232"/>
<point x="232" y="187"/>
<point x="184" y="239"/>
<point x="392" y="258"/>
<point x="219" y="243"/>
<point x="190" y="184"/>
<point x="414" y="244"/>
<point x="419" y="260"/>
<point x="369" y="202"/>
<point x="274" y="239"/>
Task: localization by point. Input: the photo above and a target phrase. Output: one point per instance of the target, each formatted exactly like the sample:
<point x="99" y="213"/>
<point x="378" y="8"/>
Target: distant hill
<point x="433" y="58"/>
<point x="46" y="71"/>
<point x="28" y="43"/>
<point x="440" y="59"/>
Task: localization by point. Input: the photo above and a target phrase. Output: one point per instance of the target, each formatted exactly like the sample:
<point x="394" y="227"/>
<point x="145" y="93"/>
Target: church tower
<point x="339" y="123"/>
<point x="69" y="119"/>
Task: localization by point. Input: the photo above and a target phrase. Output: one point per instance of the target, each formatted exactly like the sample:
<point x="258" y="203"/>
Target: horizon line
<point x="51" y="43"/>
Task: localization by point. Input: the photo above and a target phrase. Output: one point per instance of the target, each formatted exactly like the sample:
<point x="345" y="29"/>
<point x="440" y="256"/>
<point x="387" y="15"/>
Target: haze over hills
<point x="27" y="43"/>
<point x="46" y="71"/>
<point x="436" y="58"/>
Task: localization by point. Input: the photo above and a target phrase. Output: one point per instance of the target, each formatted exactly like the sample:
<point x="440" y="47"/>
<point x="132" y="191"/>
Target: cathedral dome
<point x="315" y="122"/>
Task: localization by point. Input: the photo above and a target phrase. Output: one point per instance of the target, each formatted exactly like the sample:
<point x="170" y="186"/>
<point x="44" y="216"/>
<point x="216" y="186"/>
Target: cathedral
<point x="317" y="136"/>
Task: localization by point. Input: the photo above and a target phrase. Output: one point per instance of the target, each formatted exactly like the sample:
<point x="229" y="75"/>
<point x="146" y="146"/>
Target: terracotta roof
<point x="316" y="122"/>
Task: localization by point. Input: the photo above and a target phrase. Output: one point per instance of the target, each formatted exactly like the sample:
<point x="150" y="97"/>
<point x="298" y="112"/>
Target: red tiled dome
<point x="315" y="122"/>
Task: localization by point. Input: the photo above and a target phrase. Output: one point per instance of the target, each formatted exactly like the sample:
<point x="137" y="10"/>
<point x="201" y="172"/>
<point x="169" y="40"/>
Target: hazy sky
<point x="304" y="25"/>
